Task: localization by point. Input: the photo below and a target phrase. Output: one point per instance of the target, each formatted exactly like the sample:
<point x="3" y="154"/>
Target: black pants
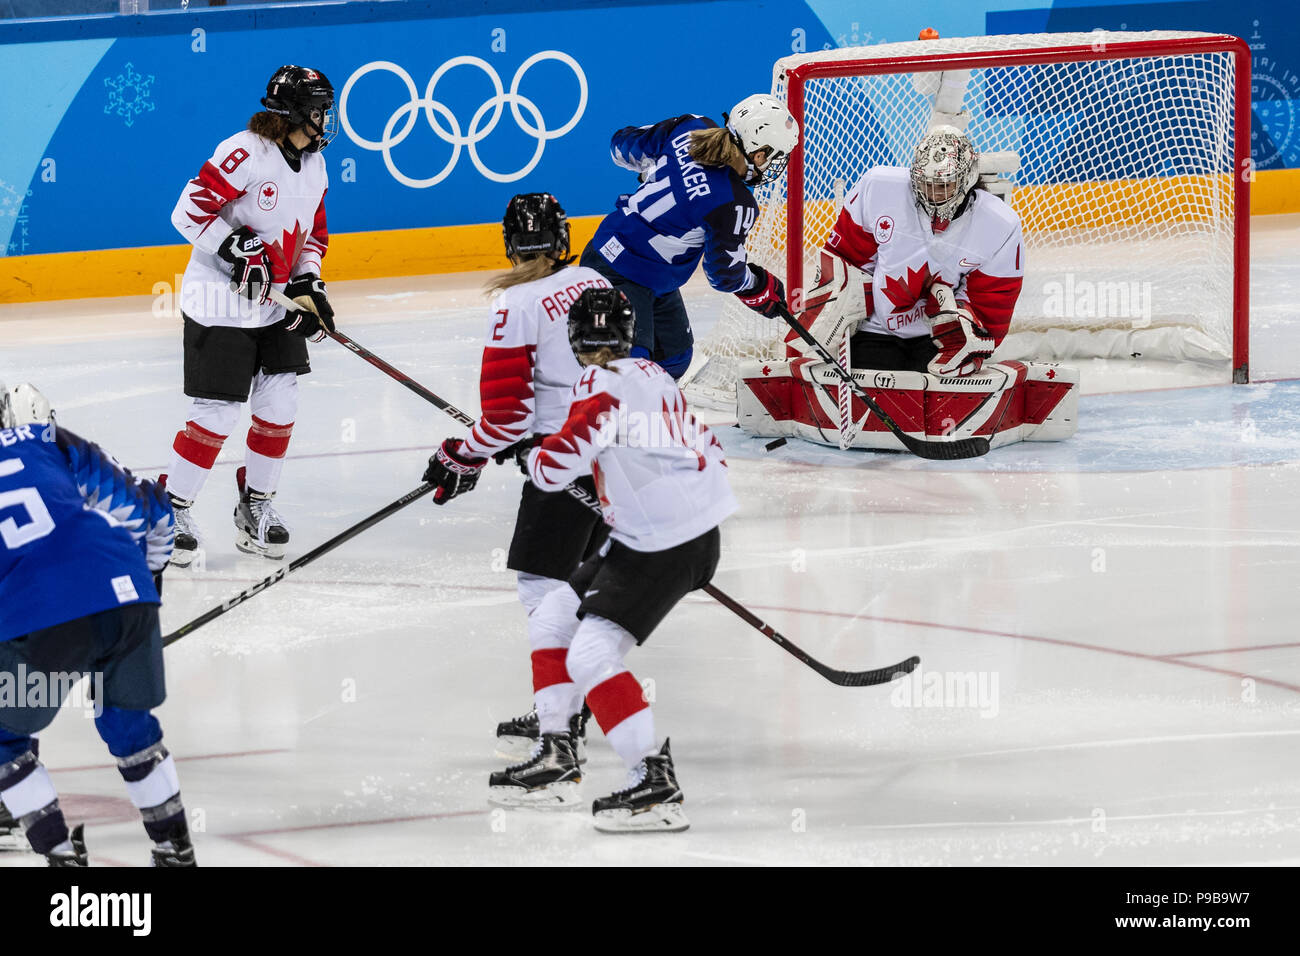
<point x="221" y="360"/>
<point x="889" y="353"/>
<point x="663" y="328"/>
<point x="637" y="589"/>
<point x="554" y="533"/>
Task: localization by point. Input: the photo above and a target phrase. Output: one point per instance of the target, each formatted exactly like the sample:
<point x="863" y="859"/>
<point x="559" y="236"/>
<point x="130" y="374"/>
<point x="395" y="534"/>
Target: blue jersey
<point x="74" y="530"/>
<point x="656" y="235"/>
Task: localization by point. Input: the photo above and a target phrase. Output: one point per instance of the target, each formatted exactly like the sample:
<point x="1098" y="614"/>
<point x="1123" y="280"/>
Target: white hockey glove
<point x="964" y="345"/>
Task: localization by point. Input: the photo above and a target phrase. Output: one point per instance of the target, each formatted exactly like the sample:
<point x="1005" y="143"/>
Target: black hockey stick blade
<point x="880" y="675"/>
<point x="297" y="563"/>
<point x="933" y="450"/>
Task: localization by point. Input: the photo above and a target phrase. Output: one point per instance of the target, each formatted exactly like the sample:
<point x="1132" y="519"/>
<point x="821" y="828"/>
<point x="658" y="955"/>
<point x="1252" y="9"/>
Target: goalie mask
<point x="305" y="98"/>
<point x="534" y="225"/>
<point x="601" y="319"/>
<point x="762" y="122"/>
<point x="944" y="171"/>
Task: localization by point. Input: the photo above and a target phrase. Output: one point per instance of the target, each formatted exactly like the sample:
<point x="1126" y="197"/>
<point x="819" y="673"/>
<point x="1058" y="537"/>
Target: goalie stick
<point x="297" y="563"/>
<point x="933" y="450"/>
<point x="844" y="678"/>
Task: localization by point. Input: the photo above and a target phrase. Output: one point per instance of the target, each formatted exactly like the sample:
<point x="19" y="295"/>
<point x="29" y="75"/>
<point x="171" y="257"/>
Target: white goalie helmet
<point x="762" y="122"/>
<point x="944" y="171"/>
<point x="24" y="405"/>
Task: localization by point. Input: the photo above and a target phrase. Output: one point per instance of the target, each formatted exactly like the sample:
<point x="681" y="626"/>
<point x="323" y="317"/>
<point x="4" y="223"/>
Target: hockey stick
<point x="299" y="562"/>
<point x="882" y="675"/>
<point x="934" y="450"/>
<point x="844" y="678"/>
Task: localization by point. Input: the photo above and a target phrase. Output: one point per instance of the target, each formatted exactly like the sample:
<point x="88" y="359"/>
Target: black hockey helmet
<point x="601" y="318"/>
<point x="305" y="98"/>
<point x="535" y="224"/>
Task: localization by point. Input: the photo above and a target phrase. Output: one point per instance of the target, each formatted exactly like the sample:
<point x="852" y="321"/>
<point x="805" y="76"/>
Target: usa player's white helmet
<point x="945" y="169"/>
<point x="25" y="405"/>
<point x="762" y="122"/>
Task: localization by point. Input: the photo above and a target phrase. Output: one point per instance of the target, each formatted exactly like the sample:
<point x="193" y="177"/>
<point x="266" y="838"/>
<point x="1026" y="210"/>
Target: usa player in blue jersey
<point x="82" y="547"/>
<point x="694" y="202"/>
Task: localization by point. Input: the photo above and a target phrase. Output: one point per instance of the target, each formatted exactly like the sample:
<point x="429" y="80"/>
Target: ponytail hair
<point x="715" y="147"/>
<point x="269" y="125"/>
<point x="525" y="270"/>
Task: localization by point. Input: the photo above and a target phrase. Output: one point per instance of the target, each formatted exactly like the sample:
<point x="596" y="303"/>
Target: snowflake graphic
<point x="128" y="95"/>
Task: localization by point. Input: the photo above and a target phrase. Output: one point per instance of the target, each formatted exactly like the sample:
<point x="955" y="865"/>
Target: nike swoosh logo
<point x="591" y="592"/>
<point x="968" y="264"/>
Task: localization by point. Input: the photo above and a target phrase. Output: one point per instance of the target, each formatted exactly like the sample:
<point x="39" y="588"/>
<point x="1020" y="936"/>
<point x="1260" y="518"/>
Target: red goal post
<point x="1133" y="161"/>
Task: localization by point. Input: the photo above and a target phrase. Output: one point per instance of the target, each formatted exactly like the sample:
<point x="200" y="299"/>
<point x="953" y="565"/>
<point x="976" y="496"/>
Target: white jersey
<point x="528" y="372"/>
<point x="660" y="474"/>
<point x="883" y="232"/>
<point x="248" y="182"/>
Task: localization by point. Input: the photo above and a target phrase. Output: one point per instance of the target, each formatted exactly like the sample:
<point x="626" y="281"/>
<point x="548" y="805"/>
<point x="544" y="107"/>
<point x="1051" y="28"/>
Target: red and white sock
<point x="615" y="697"/>
<point x="273" y="401"/>
<point x="550" y="629"/>
<point x="198" y="444"/>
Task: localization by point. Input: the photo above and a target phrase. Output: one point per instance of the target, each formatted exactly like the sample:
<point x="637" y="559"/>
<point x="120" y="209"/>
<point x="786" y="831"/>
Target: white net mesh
<point x="1124" y="187"/>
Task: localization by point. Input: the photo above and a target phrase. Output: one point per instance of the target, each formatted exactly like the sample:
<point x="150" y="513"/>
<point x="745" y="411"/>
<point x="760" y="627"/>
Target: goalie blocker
<point x="1005" y="402"/>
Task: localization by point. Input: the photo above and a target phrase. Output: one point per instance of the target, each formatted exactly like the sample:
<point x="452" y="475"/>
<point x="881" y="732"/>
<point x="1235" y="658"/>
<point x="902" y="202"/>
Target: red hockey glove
<point x="766" y="295"/>
<point x="452" y="471"/>
<point x="250" y="272"/>
<point x="964" y="345"/>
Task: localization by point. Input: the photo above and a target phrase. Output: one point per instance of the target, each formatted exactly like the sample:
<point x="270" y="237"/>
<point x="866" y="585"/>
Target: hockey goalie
<point x="916" y="286"/>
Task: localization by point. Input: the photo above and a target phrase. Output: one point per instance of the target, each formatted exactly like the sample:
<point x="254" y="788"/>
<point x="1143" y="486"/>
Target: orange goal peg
<point x="929" y="33"/>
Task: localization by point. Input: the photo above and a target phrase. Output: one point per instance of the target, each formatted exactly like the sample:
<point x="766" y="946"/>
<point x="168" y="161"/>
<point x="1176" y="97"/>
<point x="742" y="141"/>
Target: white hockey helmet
<point x="944" y="171"/>
<point x="6" y="417"/>
<point x="762" y="122"/>
<point x="25" y="405"/>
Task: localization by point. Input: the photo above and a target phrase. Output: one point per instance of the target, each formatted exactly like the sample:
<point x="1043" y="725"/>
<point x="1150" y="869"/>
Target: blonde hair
<point x="601" y="356"/>
<point x="715" y="147"/>
<point x="270" y="126"/>
<point x="526" y="270"/>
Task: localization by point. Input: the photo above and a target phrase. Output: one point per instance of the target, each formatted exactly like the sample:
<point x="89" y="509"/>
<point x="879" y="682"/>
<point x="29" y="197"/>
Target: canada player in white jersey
<point x="255" y="215"/>
<point x="525" y="384"/>
<point x="662" y="481"/>
<point x="943" y="261"/>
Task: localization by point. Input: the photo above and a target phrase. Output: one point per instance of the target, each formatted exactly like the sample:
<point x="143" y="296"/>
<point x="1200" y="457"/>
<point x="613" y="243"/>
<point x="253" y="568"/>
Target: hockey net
<point x="1126" y="156"/>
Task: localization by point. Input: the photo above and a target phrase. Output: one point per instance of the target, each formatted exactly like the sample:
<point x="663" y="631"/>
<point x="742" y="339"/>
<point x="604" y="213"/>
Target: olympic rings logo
<point x="481" y="124"/>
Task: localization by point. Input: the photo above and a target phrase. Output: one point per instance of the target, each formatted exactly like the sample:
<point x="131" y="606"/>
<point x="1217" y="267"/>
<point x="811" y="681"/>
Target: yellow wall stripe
<point x="397" y="252"/>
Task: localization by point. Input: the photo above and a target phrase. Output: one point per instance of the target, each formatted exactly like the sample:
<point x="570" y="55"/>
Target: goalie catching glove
<point x="316" y="315"/>
<point x="964" y="345"/>
<point x="250" y="272"/>
<point x="766" y="295"/>
<point x="452" y="471"/>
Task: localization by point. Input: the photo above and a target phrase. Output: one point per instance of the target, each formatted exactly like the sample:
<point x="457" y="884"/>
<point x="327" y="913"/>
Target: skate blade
<point x="557" y="796"/>
<point x="660" y="818"/>
<point x="13" y="840"/>
<point x="249" y="545"/>
<point x="182" y="559"/>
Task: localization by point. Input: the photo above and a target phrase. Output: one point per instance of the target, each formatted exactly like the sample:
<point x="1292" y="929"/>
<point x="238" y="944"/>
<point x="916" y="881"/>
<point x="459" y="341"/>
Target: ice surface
<point x="1132" y="592"/>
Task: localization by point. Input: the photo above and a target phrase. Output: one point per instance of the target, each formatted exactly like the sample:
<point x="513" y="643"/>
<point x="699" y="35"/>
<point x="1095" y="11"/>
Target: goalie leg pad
<point x="1006" y="403"/>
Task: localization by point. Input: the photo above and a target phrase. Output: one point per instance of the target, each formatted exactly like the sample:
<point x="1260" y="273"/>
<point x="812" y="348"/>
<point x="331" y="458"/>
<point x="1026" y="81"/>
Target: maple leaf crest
<point x="268" y="192"/>
<point x="284" y="252"/>
<point x="906" y="292"/>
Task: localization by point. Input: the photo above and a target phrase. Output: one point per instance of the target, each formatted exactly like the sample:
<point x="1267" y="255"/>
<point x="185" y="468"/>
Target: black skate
<point x="186" y="546"/>
<point x="260" y="528"/>
<point x="78" y="855"/>
<point x="652" y="803"/>
<point x="176" y="850"/>
<point x="11" y="831"/>
<point x="517" y="737"/>
<point x="549" y="779"/>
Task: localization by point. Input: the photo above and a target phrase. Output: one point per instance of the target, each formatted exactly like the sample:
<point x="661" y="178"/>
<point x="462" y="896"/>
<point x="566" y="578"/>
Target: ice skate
<point x="549" y="779"/>
<point x="77" y="856"/>
<point x="260" y="528"/>
<point x="517" y="737"/>
<point x="11" y="831"/>
<point x="651" y="803"/>
<point x="177" y="850"/>
<point x="186" y="545"/>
